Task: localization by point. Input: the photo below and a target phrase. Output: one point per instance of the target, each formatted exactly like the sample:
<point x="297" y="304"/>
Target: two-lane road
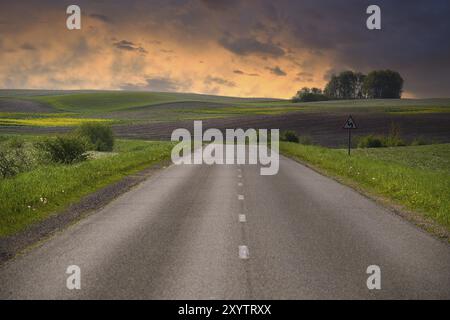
<point x="226" y="232"/>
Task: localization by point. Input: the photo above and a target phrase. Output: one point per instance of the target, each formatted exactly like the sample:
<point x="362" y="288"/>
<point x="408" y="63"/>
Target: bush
<point x="100" y="136"/>
<point x="13" y="158"/>
<point x="8" y="166"/>
<point x="371" y="141"/>
<point x="306" y="140"/>
<point x="420" y="141"/>
<point x="394" y="139"/>
<point x="64" y="149"/>
<point x="289" y="136"/>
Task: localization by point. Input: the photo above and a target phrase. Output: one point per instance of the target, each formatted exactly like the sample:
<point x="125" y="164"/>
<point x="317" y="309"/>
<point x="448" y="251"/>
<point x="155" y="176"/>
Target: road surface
<point x="226" y="232"/>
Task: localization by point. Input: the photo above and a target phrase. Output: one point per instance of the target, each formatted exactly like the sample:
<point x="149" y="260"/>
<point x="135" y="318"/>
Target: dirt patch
<point x="17" y="105"/>
<point x="325" y="128"/>
<point x="10" y="246"/>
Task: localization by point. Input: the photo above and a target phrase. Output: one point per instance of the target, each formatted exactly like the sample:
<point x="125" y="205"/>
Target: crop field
<point x="154" y="115"/>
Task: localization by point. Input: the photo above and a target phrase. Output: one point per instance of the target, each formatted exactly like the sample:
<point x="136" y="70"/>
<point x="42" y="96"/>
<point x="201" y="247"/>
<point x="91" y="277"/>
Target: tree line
<point x="378" y="84"/>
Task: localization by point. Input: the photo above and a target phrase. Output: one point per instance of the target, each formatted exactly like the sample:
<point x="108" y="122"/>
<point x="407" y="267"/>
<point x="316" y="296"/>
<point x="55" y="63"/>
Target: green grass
<point x="416" y="177"/>
<point x="123" y="100"/>
<point x="143" y="107"/>
<point x="32" y="196"/>
<point x="246" y="110"/>
<point x="395" y="106"/>
<point x="103" y="102"/>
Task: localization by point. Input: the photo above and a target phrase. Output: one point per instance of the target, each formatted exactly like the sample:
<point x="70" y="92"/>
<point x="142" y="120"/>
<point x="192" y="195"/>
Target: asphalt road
<point x="226" y="232"/>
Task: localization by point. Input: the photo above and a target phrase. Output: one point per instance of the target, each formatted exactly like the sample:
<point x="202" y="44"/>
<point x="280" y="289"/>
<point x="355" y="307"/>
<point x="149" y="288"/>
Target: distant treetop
<point x="379" y="84"/>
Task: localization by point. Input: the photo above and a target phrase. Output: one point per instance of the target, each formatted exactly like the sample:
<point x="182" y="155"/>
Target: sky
<point x="253" y="48"/>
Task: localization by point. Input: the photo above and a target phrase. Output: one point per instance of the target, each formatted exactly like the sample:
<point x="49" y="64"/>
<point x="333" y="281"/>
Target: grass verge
<point x="418" y="178"/>
<point x="32" y="196"/>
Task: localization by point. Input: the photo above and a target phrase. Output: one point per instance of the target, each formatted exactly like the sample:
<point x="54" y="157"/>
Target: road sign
<point x="350" y="125"/>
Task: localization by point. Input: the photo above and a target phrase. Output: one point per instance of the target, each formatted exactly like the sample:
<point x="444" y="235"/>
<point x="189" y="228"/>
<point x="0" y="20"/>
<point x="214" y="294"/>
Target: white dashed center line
<point x="240" y="197"/>
<point x="242" y="218"/>
<point x="243" y="252"/>
<point x="240" y="176"/>
<point x="240" y="184"/>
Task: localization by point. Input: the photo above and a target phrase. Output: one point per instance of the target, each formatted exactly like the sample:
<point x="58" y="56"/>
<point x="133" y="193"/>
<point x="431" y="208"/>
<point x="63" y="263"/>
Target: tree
<point x="316" y="91"/>
<point x="347" y="81"/>
<point x="346" y="85"/>
<point x="383" y="84"/>
<point x="359" y="86"/>
<point x="332" y="89"/>
<point x="309" y="95"/>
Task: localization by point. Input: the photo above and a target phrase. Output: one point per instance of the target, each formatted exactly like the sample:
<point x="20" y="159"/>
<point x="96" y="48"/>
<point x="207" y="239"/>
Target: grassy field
<point x="122" y="100"/>
<point x="66" y="107"/>
<point x="32" y="196"/>
<point x="417" y="178"/>
<point x="47" y="120"/>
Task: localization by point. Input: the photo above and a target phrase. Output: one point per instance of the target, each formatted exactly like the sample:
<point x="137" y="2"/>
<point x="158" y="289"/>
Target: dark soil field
<point x="325" y="128"/>
<point x="149" y="115"/>
<point x="16" y="105"/>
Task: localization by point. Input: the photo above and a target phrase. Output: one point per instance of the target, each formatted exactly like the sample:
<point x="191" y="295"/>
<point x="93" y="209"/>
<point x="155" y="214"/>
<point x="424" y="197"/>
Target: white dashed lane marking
<point x="242" y="218"/>
<point x="240" y="184"/>
<point x="240" y="197"/>
<point x="243" y="252"/>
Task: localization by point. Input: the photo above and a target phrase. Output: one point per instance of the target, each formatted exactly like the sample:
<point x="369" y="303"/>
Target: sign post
<point x="350" y="125"/>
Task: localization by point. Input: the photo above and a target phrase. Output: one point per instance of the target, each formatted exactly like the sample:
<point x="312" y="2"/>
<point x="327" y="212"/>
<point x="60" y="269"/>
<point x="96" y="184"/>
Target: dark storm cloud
<point x="129" y="46"/>
<point x="277" y="71"/>
<point x="219" y="4"/>
<point x="413" y="39"/>
<point x="250" y="46"/>
<point x="220" y="81"/>
<point x="101" y="17"/>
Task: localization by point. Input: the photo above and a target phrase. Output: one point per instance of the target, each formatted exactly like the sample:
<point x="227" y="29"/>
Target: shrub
<point x="371" y="141"/>
<point x="290" y="136"/>
<point x="306" y="140"/>
<point x="64" y="149"/>
<point x="8" y="166"/>
<point x="13" y="158"/>
<point x="394" y="139"/>
<point x="420" y="141"/>
<point x="15" y="143"/>
<point x="100" y="136"/>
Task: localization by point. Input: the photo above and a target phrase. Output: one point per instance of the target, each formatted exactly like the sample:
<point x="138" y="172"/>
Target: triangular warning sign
<point x="350" y="124"/>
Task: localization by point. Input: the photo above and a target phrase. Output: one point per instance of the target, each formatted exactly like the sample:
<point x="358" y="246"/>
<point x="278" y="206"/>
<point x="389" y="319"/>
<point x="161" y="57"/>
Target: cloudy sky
<point x="258" y="48"/>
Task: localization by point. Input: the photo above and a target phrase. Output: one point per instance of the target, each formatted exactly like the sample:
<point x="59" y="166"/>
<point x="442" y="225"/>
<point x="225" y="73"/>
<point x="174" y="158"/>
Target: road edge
<point x="419" y="220"/>
<point x="11" y="246"/>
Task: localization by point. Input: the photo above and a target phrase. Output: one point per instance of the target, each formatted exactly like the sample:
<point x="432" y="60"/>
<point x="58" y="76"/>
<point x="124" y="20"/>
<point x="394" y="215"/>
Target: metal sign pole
<point x="349" y="140"/>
